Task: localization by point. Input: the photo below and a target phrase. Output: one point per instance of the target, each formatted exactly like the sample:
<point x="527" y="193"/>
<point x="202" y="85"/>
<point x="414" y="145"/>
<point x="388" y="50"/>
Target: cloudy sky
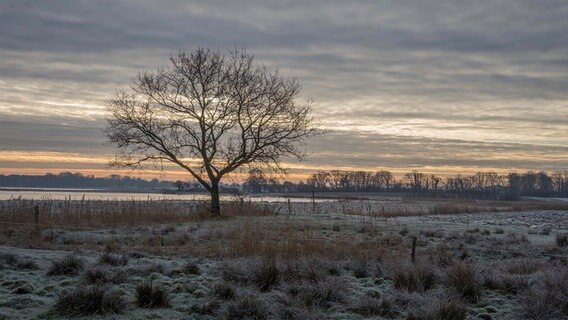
<point x="442" y="86"/>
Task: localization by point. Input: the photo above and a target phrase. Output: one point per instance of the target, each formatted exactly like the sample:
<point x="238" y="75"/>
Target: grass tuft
<point x="414" y="279"/>
<point x="267" y="276"/>
<point x="562" y="239"/>
<point x="150" y="296"/>
<point x="113" y="259"/>
<point x="86" y="301"/>
<point x="68" y="265"/>
<point x="464" y="280"/>
<point x="247" y="307"/>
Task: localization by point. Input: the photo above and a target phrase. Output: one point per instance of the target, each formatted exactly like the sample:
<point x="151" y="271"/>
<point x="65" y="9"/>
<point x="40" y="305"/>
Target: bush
<point x="414" y="279"/>
<point x="113" y="259"/>
<point x="267" y="276"/>
<point x="150" y="296"/>
<point x="68" y="265"/>
<point x="248" y="307"/>
<point x="562" y="239"/>
<point x="465" y="281"/>
<point x="86" y="301"/>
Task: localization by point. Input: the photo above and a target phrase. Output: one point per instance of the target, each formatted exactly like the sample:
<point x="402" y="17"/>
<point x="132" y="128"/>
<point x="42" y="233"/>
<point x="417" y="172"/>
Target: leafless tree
<point x="209" y="113"/>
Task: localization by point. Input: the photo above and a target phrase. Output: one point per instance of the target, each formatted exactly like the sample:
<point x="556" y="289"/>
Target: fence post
<point x="289" y="207"/>
<point x="413" y="255"/>
<point x="313" y="201"/>
<point x="242" y="205"/>
<point x="36" y="217"/>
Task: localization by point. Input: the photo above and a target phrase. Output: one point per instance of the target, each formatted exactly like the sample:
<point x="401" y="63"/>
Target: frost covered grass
<point x="312" y="266"/>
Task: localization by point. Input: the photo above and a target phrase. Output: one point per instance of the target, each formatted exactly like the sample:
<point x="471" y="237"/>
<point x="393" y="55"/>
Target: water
<point x="75" y="194"/>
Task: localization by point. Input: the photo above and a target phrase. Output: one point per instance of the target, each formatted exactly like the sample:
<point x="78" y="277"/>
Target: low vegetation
<point x="87" y="301"/>
<point x="149" y="295"/>
<point x="68" y="265"/>
<point x="291" y="267"/>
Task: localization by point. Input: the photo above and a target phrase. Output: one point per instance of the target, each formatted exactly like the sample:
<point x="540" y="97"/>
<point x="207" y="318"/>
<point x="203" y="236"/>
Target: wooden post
<point x="313" y="201"/>
<point x="413" y="256"/>
<point x="242" y="205"/>
<point x="289" y="207"/>
<point x="36" y="217"/>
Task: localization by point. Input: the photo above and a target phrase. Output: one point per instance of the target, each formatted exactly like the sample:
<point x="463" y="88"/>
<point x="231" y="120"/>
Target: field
<point x="348" y="259"/>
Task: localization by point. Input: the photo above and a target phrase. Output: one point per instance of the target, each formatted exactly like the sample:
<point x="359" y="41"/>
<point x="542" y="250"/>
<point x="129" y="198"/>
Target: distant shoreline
<point x="161" y="191"/>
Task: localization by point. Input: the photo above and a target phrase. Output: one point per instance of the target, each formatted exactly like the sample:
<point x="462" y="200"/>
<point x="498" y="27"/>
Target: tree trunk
<point x="215" y="203"/>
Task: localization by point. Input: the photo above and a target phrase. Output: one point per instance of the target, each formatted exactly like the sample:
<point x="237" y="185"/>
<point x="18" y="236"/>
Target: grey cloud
<point x="84" y="138"/>
<point x="432" y="67"/>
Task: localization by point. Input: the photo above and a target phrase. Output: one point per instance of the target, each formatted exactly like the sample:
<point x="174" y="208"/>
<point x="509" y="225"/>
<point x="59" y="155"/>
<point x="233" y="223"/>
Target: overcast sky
<point x="435" y="85"/>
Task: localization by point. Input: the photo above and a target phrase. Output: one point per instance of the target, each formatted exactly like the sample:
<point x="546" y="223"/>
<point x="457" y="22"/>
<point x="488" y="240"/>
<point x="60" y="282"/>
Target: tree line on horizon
<point x="480" y="184"/>
<point x="79" y="180"/>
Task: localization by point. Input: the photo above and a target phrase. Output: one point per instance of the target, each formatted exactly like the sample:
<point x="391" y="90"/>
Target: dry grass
<point x="87" y="301"/>
<point x="464" y="280"/>
<point x="68" y="265"/>
<point x="151" y="296"/>
<point x="115" y="213"/>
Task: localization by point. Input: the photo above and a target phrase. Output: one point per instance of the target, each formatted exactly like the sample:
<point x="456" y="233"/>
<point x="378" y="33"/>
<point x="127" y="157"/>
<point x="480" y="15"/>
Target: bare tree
<point x="209" y="113"/>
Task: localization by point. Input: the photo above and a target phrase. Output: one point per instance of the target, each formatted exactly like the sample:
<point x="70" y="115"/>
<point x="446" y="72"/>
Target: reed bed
<point x="114" y="213"/>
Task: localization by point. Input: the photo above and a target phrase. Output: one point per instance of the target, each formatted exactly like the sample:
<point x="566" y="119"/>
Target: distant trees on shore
<point x="488" y="185"/>
<point x="480" y="184"/>
<point x="78" y="180"/>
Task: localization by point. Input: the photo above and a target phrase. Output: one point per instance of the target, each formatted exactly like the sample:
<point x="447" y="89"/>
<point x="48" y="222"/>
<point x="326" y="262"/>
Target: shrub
<point x="113" y="259"/>
<point x="248" y="307"/>
<point x="68" y="265"/>
<point x="562" y="239"/>
<point x="414" y="279"/>
<point x="86" y="301"/>
<point x="150" y="296"/>
<point x="464" y="280"/>
<point x="267" y="276"/>
<point x="547" y="299"/>
<point x="499" y="231"/>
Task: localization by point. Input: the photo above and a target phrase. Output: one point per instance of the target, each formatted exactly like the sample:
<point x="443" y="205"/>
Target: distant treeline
<point x="78" y="180"/>
<point x="481" y="184"/>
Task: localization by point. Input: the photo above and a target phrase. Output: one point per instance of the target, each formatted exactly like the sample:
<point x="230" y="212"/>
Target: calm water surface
<point x="75" y="194"/>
